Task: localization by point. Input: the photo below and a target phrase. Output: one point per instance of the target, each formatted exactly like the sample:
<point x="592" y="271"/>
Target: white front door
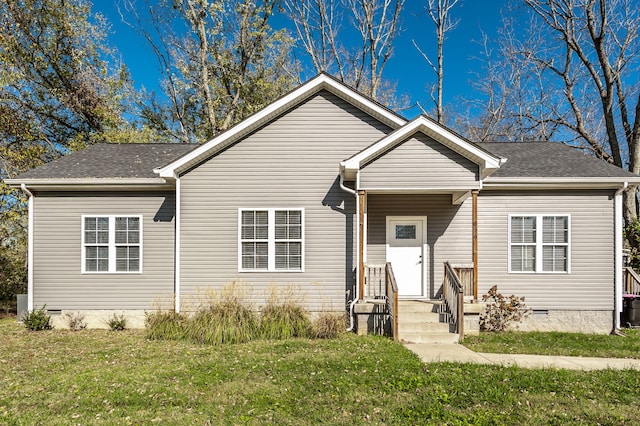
<point x="405" y="250"/>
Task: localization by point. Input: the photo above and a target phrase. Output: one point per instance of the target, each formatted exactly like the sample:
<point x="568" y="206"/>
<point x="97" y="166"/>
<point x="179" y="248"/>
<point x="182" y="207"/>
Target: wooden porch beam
<point x="362" y="200"/>
<point x="474" y="241"/>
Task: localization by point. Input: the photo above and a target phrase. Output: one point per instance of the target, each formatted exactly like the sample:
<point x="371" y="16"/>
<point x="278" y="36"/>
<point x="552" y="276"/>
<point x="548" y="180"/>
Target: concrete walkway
<point x="431" y="352"/>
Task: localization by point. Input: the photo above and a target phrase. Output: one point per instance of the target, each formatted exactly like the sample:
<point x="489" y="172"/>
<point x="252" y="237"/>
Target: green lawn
<point x="573" y="344"/>
<point x="103" y="377"/>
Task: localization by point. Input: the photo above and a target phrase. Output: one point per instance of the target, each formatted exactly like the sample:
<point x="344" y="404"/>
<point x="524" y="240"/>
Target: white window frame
<point x="111" y="245"/>
<point x="271" y="240"/>
<point x="539" y="243"/>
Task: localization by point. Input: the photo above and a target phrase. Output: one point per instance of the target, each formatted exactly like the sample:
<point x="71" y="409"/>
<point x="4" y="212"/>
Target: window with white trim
<point x="111" y="244"/>
<point x="271" y="240"/>
<point x="539" y="243"/>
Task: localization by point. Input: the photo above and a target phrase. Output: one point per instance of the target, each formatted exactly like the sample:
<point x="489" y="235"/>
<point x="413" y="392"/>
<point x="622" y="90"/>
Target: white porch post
<point x="362" y="199"/>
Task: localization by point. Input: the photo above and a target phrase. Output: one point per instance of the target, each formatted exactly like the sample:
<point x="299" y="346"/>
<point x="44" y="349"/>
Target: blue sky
<point x="407" y="68"/>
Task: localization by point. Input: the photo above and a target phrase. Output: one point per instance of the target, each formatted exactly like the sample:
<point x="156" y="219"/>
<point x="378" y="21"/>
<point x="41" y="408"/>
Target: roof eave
<point x="558" y="182"/>
<point x="94" y="184"/>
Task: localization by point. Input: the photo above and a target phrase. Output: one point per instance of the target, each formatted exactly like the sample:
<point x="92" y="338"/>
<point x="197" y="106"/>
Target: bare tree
<point x="580" y="59"/>
<point x="221" y="61"/>
<point x="439" y="12"/>
<point x="322" y="33"/>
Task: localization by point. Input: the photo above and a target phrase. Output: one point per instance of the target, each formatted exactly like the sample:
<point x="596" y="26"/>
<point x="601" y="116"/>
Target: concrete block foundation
<point x="98" y="318"/>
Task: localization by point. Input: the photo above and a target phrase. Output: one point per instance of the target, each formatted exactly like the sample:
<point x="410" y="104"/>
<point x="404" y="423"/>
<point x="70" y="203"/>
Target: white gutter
<point x="357" y="295"/>
<point x="176" y="251"/>
<point x="29" y="249"/>
<point x="617" y="229"/>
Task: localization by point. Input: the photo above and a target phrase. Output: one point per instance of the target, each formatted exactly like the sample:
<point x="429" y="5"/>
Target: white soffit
<point x="273" y="110"/>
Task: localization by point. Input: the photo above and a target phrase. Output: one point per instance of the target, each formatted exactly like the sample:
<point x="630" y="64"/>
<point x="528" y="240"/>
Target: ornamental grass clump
<point x="224" y="317"/>
<point x="165" y="325"/>
<point x="329" y="325"/>
<point x="500" y="311"/>
<point x="283" y="317"/>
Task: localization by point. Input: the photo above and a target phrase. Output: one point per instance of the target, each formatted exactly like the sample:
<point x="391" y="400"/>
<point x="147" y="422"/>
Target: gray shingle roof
<point x="525" y="160"/>
<point x="129" y="160"/>
<point x="549" y="159"/>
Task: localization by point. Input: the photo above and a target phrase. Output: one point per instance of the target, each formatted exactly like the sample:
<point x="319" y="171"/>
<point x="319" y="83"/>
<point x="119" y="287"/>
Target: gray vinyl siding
<point x="290" y="163"/>
<point x="590" y="284"/>
<point x="420" y="163"/>
<point x="58" y="281"/>
<point x="448" y="230"/>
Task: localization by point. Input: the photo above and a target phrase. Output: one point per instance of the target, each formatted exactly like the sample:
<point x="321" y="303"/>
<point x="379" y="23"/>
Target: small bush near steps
<point x="501" y="311"/>
<point x="37" y="320"/>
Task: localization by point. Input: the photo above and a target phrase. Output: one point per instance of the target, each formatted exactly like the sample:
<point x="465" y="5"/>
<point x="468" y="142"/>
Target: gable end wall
<point x="417" y="163"/>
<point x="293" y="162"/>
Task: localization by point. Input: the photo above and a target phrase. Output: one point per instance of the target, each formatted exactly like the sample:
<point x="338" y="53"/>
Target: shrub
<point x="284" y="321"/>
<point x="169" y="325"/>
<point x="329" y="325"/>
<point x="75" y="321"/>
<point x="117" y="322"/>
<point x="501" y="311"/>
<point x="37" y="320"/>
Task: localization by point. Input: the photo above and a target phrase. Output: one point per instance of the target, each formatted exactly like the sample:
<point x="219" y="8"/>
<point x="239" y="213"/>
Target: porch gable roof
<point x="487" y="161"/>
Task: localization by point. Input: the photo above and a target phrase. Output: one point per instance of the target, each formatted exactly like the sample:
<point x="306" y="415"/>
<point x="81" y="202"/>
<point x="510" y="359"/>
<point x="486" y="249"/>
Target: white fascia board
<point x="75" y="184"/>
<point x="558" y="183"/>
<point x="431" y="129"/>
<point x="320" y="82"/>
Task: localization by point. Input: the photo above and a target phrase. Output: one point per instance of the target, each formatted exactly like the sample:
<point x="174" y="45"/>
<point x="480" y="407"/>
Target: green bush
<point x="37" y="320"/>
<point x="329" y="325"/>
<point x="501" y="311"/>
<point x="284" y="321"/>
<point x="117" y="322"/>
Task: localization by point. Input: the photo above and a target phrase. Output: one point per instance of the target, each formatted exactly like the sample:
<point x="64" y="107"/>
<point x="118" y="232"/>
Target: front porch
<point x="443" y="320"/>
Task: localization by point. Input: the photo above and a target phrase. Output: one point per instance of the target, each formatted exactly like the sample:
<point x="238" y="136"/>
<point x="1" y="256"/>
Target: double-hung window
<point x="539" y="243"/>
<point x="111" y="244"/>
<point x="271" y="240"/>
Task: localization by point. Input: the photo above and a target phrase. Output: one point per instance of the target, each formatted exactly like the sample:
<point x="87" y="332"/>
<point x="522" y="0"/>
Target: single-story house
<point x="314" y="192"/>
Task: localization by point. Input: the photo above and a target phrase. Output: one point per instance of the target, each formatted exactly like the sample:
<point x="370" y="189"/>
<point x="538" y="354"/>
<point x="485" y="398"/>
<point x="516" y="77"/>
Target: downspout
<point x="617" y="229"/>
<point x="29" y="249"/>
<point x="176" y="251"/>
<point x="357" y="295"/>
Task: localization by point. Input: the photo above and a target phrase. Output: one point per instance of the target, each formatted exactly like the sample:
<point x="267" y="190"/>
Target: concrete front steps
<point x="420" y="322"/>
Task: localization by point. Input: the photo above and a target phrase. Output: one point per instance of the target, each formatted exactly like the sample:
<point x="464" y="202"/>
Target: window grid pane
<point x="97" y="259"/>
<point x="125" y="245"/>
<point x="279" y="229"/>
<point x="551" y="241"/>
